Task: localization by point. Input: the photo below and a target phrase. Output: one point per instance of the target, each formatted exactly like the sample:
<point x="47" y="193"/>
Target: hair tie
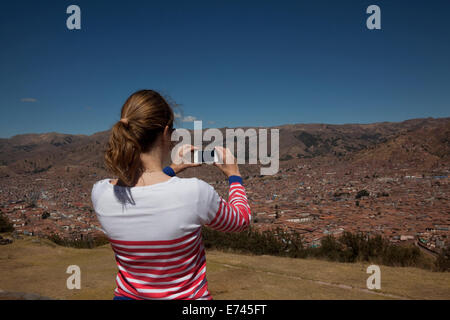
<point x="124" y="121"/>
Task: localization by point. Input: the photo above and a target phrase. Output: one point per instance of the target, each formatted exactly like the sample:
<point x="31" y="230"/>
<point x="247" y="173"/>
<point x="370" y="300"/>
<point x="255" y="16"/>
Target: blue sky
<point x="229" y="63"/>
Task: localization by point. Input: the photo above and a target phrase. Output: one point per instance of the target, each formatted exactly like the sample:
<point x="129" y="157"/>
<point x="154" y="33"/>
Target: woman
<point x="153" y="218"/>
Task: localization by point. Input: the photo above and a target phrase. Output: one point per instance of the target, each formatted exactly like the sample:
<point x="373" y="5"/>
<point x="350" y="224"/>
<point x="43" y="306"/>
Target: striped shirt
<point x="155" y="233"/>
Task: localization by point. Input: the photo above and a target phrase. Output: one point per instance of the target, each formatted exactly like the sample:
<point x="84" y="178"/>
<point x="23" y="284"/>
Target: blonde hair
<point x="144" y="116"/>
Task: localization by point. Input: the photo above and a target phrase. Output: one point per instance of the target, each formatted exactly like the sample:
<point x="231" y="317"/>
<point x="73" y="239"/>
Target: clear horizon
<point x="227" y="63"/>
<point x="273" y="126"/>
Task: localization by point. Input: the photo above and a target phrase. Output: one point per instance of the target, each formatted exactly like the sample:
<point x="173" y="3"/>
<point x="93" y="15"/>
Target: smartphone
<point x="205" y="156"/>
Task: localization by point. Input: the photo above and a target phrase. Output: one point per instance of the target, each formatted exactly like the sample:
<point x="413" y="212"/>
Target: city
<point x="312" y="197"/>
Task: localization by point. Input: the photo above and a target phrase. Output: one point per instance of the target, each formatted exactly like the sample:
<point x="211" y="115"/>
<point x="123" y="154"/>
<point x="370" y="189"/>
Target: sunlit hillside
<point x="35" y="266"/>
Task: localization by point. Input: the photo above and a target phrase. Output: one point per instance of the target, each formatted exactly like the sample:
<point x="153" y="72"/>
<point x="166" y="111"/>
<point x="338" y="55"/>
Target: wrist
<point x="178" y="168"/>
<point x="233" y="179"/>
<point x="170" y="171"/>
<point x="233" y="173"/>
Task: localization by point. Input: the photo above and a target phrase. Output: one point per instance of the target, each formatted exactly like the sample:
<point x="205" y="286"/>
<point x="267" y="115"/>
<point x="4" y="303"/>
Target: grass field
<point x="38" y="266"/>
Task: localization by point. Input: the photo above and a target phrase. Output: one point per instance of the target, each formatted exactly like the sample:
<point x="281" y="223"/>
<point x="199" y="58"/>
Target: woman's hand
<point x="181" y="161"/>
<point x="228" y="165"/>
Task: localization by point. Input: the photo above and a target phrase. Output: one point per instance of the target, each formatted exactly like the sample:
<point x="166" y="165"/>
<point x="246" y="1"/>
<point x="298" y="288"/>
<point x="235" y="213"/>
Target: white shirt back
<point x="162" y="211"/>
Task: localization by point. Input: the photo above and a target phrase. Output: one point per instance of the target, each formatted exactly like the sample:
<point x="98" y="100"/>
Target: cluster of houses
<point x="401" y="204"/>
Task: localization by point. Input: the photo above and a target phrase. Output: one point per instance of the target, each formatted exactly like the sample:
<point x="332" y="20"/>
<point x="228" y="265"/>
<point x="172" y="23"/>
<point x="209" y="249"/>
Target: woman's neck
<point x="152" y="161"/>
<point x="152" y="165"/>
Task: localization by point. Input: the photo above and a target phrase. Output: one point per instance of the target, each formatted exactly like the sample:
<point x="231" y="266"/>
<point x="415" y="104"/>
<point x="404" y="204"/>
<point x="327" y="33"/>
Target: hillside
<point x="424" y="146"/>
<point x="39" y="267"/>
<point x="71" y="156"/>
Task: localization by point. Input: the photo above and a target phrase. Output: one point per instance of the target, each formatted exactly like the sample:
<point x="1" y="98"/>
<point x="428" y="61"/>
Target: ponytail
<point x="146" y="114"/>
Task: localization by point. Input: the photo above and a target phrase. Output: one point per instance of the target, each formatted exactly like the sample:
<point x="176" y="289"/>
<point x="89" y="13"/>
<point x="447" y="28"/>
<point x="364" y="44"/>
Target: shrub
<point x="272" y="242"/>
<point x="401" y="256"/>
<point x="443" y="261"/>
<point x="5" y="224"/>
<point x="86" y="243"/>
<point x="45" y="215"/>
<point x="329" y="249"/>
<point x="348" y="247"/>
<point x="362" y="193"/>
<point x="286" y="157"/>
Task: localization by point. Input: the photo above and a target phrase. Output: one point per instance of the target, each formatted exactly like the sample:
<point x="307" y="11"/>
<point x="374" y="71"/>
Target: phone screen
<point x="204" y="156"/>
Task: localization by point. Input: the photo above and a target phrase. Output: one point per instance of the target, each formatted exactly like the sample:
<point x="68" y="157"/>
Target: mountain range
<point x="421" y="141"/>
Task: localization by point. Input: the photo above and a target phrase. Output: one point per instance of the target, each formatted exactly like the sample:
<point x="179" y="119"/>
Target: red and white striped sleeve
<point x="228" y="216"/>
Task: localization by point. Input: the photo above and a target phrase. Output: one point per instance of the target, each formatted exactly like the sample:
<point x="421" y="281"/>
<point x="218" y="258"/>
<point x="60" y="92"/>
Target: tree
<point x="443" y="261"/>
<point x="5" y="224"/>
<point x="362" y="193"/>
<point x="45" y="215"/>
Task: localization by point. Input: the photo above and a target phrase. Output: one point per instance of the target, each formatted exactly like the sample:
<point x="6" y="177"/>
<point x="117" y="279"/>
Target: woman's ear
<point x="167" y="134"/>
<point x="166" y="131"/>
